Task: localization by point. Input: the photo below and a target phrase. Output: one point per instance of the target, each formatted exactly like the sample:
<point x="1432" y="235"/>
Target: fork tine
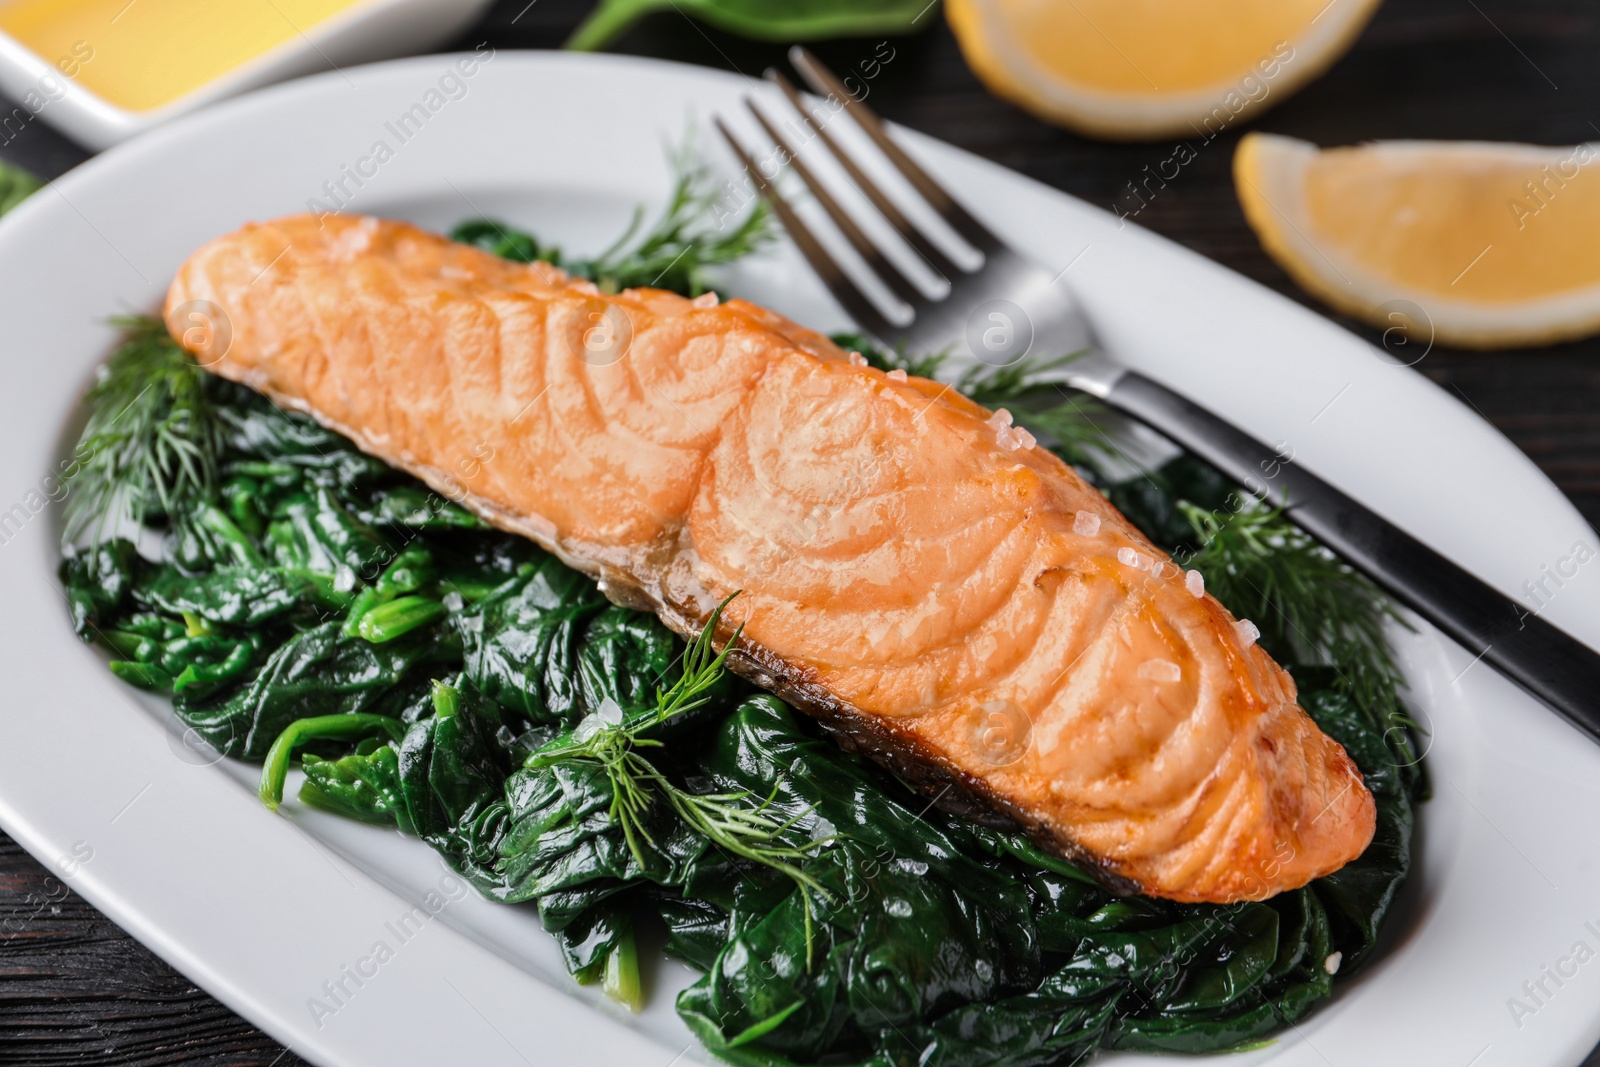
<point x="843" y="288"/>
<point x="908" y="230"/>
<point x="823" y="82"/>
<point x="870" y="252"/>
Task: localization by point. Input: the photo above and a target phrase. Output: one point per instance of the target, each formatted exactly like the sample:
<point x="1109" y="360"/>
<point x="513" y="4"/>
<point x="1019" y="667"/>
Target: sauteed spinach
<point x="300" y="600"/>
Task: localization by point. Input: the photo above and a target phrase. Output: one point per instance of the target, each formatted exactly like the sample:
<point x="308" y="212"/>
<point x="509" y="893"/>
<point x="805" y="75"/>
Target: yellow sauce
<point x="151" y="52"/>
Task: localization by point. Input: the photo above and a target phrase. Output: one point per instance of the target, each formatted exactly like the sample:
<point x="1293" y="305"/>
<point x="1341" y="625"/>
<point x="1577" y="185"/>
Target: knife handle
<point x="1546" y="661"/>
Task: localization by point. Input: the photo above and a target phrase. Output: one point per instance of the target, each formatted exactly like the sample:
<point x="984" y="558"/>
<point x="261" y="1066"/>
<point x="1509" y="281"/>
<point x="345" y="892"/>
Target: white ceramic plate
<point x="268" y="912"/>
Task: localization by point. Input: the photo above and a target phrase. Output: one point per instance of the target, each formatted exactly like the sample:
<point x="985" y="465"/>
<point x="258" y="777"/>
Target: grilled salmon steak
<point x="940" y="593"/>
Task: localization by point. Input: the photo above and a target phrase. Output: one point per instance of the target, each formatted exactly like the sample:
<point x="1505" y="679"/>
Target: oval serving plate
<point x="1487" y="962"/>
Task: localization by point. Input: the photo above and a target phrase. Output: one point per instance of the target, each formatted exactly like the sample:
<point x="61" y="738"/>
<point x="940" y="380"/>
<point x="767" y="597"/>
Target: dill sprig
<point x="703" y="667"/>
<point x="152" y="438"/>
<point x="918" y="366"/>
<point x="1073" y="424"/>
<point x="993" y="386"/>
<point x="703" y="225"/>
<point x="752" y="832"/>
<point x="1076" y="430"/>
<point x="1309" y="606"/>
<point x="980" y="383"/>
<point x="694" y="232"/>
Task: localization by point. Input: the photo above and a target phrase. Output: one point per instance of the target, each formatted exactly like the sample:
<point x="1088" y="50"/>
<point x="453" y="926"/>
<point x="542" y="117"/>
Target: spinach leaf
<point x="314" y="531"/>
<point x="364" y="785"/>
<point x="453" y="772"/>
<point x="270" y="443"/>
<point x="98" y="581"/>
<point x="236" y="596"/>
<point x="521" y="643"/>
<point x="761" y="20"/>
<point x="317" y="672"/>
<point x="562" y="849"/>
<point x="416" y="508"/>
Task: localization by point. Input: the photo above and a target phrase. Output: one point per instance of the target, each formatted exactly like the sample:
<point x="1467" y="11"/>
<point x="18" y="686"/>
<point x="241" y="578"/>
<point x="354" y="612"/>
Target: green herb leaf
<point x="700" y="228"/>
<point x="1310" y="607"/>
<point x="762" y="20"/>
<point x="151" y="443"/>
<point x="752" y="833"/>
<point x="702" y="668"/>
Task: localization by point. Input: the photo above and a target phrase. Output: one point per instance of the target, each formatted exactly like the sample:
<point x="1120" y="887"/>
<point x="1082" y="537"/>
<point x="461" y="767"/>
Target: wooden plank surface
<point x="74" y="989"/>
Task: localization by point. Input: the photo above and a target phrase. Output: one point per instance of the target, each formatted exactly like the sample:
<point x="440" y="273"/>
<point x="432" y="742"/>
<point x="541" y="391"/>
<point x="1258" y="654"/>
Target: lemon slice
<point x="1140" y="69"/>
<point x="1490" y="245"/>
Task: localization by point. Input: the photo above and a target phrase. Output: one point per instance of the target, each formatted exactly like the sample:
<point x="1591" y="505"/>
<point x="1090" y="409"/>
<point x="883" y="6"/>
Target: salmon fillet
<point x="938" y="592"/>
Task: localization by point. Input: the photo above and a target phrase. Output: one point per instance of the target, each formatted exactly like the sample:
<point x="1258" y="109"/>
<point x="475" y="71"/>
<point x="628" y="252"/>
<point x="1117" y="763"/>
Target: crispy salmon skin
<point x="938" y="591"/>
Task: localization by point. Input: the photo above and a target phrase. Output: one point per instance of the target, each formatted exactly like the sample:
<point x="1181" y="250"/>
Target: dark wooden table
<point x="74" y="989"/>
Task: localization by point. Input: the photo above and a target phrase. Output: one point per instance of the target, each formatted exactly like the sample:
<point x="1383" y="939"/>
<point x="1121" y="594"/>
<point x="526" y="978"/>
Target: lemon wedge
<point x="1489" y="245"/>
<point x="1141" y="69"/>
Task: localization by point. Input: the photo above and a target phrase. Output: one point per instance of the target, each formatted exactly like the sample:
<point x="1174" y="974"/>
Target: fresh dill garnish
<point x="751" y="832"/>
<point x="993" y="386"/>
<point x="1070" y="423"/>
<point x="692" y="234"/>
<point x="1076" y="430"/>
<point x="917" y="366"/>
<point x="1309" y="606"/>
<point x="980" y="383"/>
<point x="701" y="227"/>
<point x="152" y="438"/>
<point x="702" y="668"/>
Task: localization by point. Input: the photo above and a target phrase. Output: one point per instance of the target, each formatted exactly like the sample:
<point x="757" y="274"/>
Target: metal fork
<point x="1010" y="307"/>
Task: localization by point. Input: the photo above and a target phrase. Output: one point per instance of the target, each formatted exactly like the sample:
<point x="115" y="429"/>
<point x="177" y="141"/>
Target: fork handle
<point x="1546" y="661"/>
